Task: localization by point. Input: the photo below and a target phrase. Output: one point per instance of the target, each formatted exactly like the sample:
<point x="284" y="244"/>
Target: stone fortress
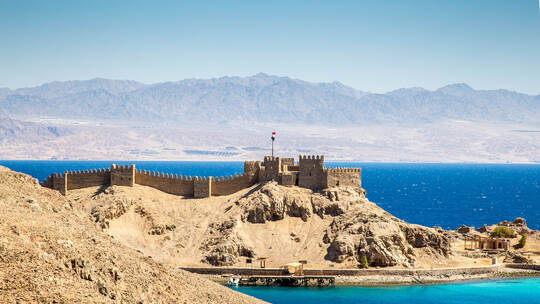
<point x="309" y="173"/>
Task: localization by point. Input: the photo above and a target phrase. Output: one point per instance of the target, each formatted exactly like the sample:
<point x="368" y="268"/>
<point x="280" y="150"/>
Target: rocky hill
<point x="336" y="226"/>
<point x="50" y="252"/>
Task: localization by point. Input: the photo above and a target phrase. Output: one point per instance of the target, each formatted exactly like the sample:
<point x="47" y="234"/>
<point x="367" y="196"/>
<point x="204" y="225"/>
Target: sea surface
<point x="522" y="291"/>
<point x="446" y="195"/>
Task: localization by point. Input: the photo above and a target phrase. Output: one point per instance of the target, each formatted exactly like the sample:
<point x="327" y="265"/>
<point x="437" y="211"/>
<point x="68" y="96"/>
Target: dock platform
<point x="288" y="280"/>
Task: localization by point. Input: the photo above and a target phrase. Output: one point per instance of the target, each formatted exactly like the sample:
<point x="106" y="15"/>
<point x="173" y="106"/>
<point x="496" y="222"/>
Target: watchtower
<point x="123" y="175"/>
<point x="272" y="168"/>
<point x="311" y="174"/>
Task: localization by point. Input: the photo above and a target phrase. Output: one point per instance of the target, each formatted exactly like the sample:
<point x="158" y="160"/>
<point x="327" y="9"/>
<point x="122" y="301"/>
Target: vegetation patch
<point x="503" y="232"/>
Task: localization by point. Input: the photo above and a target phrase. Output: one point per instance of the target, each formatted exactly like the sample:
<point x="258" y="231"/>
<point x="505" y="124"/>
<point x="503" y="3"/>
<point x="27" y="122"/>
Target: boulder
<point x="520" y="221"/>
<point x="484" y="229"/>
<point x="465" y="229"/>
<point x="513" y="257"/>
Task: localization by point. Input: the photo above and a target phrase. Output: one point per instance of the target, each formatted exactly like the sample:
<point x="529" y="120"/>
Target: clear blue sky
<point x="374" y="45"/>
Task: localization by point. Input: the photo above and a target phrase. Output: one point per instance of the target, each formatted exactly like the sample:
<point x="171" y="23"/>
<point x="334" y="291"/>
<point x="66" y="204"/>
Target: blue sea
<point x="446" y="195"/>
<point x="518" y="291"/>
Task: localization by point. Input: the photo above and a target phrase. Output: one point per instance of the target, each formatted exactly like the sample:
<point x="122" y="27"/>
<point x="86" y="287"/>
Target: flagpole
<point x="273" y="138"/>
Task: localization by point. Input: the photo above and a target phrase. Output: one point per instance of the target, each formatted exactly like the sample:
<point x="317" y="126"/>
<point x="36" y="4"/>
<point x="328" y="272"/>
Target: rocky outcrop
<point x="113" y="207"/>
<point x="224" y="246"/>
<point x="463" y="229"/>
<point x="382" y="238"/>
<point x="520" y="221"/>
<point x="484" y="229"/>
<point x="515" y="257"/>
<point x="519" y="225"/>
<point x="357" y="228"/>
<point x="270" y="203"/>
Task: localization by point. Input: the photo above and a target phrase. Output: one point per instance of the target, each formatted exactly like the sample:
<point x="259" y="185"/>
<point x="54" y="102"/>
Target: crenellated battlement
<point x="122" y="167"/>
<point x="309" y="172"/>
<point x="89" y="172"/>
<point x="270" y="158"/>
<point x="142" y="172"/>
<point x="359" y="170"/>
<point x="305" y="157"/>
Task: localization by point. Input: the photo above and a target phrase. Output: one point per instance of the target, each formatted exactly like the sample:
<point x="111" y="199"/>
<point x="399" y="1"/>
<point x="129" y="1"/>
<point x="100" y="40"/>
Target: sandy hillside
<point x="285" y="224"/>
<point x="51" y="252"/>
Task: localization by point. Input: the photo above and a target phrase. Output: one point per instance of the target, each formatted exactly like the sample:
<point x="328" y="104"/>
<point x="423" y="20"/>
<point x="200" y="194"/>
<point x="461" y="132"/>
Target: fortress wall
<point x="351" y="177"/>
<point x="123" y="175"/>
<point x="312" y="173"/>
<point x="291" y="168"/>
<point x="309" y="173"/>
<point x="173" y="184"/>
<point x="286" y="161"/>
<point x="288" y="179"/>
<point x="231" y="184"/>
<point x="60" y="182"/>
<point x="202" y="187"/>
<point x="88" y="178"/>
<point x="261" y="175"/>
<point x="48" y="182"/>
<point x="272" y="166"/>
<point x="252" y="167"/>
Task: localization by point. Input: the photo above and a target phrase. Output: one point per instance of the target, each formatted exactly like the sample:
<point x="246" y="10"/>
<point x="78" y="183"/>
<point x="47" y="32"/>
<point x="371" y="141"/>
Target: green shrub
<point x="522" y="242"/>
<point x="363" y="262"/>
<point x="503" y="232"/>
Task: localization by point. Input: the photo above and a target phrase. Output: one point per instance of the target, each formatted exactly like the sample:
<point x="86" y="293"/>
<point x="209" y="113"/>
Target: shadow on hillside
<point x="259" y="186"/>
<point x="100" y="190"/>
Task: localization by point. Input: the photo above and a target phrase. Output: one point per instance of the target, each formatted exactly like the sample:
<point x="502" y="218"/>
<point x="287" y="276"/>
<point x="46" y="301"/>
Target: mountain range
<point x="230" y="118"/>
<point x="262" y="98"/>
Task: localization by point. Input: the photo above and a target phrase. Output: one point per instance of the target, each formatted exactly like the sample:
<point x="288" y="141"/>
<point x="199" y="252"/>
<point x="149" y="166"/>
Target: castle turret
<point x="123" y="175"/>
<point x="272" y="168"/>
<point x="312" y="173"/>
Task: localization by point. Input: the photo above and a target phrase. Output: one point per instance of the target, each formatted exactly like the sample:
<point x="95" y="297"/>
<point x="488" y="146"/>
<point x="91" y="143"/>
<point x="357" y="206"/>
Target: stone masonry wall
<point x="202" y="187"/>
<point x="60" y="182"/>
<point x="88" y="178"/>
<point x="231" y="184"/>
<point x="312" y="173"/>
<point x="309" y="173"/>
<point x="173" y="184"/>
<point x="123" y="175"/>
<point x="272" y="166"/>
<point x="252" y="167"/>
<point x="351" y="177"/>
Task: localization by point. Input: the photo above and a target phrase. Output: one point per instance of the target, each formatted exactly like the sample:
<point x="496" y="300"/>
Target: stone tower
<point x="312" y="174"/>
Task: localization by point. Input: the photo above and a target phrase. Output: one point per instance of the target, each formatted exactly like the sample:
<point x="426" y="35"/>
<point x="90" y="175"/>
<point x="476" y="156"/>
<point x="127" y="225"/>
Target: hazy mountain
<point x="263" y="99"/>
<point x="20" y="131"/>
<point x="64" y="88"/>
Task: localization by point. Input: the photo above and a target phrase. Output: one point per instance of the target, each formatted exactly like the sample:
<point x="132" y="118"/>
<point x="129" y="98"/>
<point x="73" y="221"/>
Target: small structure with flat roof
<point x="486" y="243"/>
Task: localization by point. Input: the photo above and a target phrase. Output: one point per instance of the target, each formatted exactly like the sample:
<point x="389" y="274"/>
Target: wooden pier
<point x="288" y="280"/>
